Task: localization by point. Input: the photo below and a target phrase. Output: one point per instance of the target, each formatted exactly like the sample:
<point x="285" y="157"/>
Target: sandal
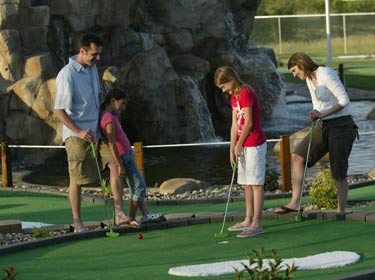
<point x="133" y="223"/>
<point x="250" y="233"/>
<point x="285" y="209"/>
<point x="238" y="227"/>
<point x="122" y="220"/>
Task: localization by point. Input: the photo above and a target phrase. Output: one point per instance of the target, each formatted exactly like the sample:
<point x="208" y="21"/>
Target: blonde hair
<point x="226" y="74"/>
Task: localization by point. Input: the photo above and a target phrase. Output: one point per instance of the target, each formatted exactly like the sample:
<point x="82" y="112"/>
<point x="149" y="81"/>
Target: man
<point x="77" y="107"/>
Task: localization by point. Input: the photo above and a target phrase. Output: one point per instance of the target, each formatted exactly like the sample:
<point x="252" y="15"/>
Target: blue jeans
<point x="134" y="178"/>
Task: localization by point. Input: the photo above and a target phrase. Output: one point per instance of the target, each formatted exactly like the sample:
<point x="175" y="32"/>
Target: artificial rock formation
<point x="164" y="52"/>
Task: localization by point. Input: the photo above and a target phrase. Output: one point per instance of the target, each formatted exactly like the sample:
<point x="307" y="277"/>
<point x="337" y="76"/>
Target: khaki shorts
<point x="81" y="162"/>
<point x="105" y="153"/>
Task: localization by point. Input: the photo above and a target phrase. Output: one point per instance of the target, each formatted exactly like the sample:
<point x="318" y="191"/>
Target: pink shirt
<point x="248" y="98"/>
<point x="122" y="141"/>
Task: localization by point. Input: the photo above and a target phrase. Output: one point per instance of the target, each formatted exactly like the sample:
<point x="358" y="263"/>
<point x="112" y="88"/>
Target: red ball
<point x="139" y="236"/>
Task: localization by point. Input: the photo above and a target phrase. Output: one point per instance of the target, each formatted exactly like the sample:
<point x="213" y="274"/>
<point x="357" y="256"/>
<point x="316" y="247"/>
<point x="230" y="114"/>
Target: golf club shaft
<point x="101" y="182"/>
<point x="229" y="193"/>
<point x="306" y="163"/>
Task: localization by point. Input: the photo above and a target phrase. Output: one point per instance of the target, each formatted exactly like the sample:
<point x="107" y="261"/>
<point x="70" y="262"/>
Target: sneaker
<point x="151" y="217"/>
<point x="238" y="227"/>
<point x="250" y="233"/>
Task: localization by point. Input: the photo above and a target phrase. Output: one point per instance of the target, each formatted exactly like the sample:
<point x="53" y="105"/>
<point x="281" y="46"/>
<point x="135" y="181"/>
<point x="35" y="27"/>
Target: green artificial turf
<point x="126" y="257"/>
<point x="55" y="209"/>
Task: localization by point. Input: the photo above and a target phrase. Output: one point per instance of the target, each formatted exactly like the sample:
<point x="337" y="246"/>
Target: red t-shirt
<point x="246" y="99"/>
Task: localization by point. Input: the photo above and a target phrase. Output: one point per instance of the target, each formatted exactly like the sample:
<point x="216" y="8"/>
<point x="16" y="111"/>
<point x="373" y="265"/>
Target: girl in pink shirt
<point x="123" y="155"/>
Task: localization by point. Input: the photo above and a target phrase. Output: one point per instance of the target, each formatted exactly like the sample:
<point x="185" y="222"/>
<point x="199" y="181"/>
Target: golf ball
<point x="139" y="236"/>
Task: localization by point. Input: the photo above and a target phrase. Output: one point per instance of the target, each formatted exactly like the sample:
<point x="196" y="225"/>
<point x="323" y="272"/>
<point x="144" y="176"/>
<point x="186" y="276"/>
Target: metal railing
<point x="266" y="32"/>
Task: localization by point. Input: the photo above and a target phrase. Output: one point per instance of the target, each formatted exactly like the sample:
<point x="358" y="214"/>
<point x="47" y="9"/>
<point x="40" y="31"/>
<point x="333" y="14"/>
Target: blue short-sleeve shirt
<point x="77" y="92"/>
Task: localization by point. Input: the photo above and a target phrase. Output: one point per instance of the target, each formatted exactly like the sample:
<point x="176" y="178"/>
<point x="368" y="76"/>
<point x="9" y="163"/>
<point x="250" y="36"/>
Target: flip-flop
<point x="238" y="227"/>
<point x="250" y="233"/>
<point x="133" y="224"/>
<point x="284" y="209"/>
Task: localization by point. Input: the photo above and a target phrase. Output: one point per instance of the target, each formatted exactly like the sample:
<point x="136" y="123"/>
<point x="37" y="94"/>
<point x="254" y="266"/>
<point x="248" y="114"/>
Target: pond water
<point x="211" y="163"/>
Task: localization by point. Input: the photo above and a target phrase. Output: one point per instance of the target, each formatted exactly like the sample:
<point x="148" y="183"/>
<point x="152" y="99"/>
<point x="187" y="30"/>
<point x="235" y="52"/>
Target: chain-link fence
<point x="352" y="34"/>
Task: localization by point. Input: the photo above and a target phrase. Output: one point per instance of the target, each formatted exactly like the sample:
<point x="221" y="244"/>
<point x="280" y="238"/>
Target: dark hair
<point x="88" y="38"/>
<point x="303" y="62"/>
<point x="114" y="93"/>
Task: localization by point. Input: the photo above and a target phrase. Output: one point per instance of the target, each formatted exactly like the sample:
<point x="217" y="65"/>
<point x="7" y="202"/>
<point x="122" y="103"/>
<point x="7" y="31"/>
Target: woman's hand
<point x="314" y="115"/>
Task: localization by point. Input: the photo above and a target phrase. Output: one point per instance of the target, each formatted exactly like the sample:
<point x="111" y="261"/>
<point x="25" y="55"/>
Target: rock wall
<point x="164" y="52"/>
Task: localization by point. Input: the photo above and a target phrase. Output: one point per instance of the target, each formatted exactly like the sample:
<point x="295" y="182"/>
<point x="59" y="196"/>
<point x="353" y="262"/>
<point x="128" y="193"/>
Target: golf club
<point x="111" y="233"/>
<point x="223" y="234"/>
<point x="298" y="217"/>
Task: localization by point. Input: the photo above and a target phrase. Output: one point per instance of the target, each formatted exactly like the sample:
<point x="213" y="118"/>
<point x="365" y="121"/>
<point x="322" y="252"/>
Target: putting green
<point x="126" y="257"/>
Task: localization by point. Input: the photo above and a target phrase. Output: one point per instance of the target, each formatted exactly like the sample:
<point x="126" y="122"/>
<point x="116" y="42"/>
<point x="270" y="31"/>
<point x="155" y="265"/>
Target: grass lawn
<point x="355" y="77"/>
<point x="150" y="258"/>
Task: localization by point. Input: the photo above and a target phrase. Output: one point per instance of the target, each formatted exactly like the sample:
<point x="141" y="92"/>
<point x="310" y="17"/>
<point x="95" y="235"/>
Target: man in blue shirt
<point x="77" y="107"/>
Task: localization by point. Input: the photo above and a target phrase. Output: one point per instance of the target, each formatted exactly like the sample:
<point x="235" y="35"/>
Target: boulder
<point x="164" y="52"/>
<point x="294" y="141"/>
<point x="181" y="185"/>
<point x="371" y="115"/>
<point x="11" y="58"/>
<point x="40" y="65"/>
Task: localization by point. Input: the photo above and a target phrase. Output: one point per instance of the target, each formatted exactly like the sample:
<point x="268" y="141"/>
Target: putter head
<point x="221" y="235"/>
<point x="298" y="217"/>
<point x="111" y="233"/>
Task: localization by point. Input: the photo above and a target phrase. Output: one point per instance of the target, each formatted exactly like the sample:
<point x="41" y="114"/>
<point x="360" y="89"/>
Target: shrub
<point x="271" y="181"/>
<point x="40" y="232"/>
<point x="106" y="183"/>
<point x="10" y="273"/>
<point x="256" y="271"/>
<point x="323" y="191"/>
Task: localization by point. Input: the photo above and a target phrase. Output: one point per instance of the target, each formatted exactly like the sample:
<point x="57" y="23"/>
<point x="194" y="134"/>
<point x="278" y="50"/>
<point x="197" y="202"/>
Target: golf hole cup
<point x="139" y="236"/>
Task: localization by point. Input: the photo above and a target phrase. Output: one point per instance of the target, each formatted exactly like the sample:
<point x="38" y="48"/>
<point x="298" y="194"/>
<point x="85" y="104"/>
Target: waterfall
<point x="231" y="27"/>
<point x="148" y="40"/>
<point x="59" y="41"/>
<point x="199" y="109"/>
<point x="288" y="115"/>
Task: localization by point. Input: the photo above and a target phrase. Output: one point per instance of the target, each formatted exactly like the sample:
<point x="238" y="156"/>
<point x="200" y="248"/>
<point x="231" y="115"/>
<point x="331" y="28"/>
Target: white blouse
<point x="328" y="92"/>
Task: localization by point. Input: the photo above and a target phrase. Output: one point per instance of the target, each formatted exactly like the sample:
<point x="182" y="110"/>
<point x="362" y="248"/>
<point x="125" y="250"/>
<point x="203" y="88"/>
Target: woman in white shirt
<point x="335" y="132"/>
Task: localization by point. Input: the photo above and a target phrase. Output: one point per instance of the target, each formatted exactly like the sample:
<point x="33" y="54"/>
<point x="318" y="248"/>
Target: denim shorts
<point x="134" y="178"/>
<point x="335" y="136"/>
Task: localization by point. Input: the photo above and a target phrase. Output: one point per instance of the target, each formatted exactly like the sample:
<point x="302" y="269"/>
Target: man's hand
<point x="86" y="135"/>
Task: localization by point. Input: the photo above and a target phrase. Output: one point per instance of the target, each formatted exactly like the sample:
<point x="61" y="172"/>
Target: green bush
<point x="106" y="183"/>
<point x="256" y="271"/>
<point x="271" y="181"/>
<point x="323" y="191"/>
<point x="40" y="232"/>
